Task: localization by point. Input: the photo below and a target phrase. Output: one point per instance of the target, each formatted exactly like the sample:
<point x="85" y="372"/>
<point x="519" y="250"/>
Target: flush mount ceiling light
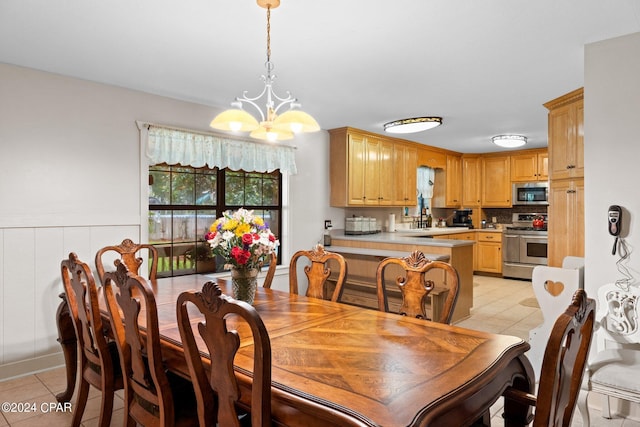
<point x="509" y="141"/>
<point x="272" y="126"/>
<point x="415" y="124"/>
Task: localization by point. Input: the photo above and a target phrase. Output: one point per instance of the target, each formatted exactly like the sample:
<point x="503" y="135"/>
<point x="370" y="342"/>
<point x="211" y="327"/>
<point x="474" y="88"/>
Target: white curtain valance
<point x="174" y="146"/>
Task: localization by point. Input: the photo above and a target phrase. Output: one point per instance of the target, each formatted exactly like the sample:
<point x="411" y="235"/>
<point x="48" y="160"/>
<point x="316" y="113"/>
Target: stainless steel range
<point x="524" y="246"/>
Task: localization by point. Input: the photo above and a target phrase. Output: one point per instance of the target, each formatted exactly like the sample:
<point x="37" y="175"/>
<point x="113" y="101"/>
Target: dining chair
<point x="128" y="252"/>
<point x="226" y="322"/>
<point x="271" y="271"/>
<point x="614" y="368"/>
<point x="563" y="366"/>
<point x="318" y="272"/>
<point x="99" y="364"/>
<point x="415" y="287"/>
<point x="153" y="395"/>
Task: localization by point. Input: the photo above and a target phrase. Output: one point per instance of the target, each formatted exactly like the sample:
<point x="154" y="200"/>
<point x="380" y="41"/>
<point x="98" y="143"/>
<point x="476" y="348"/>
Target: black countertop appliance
<point x="462" y="218"/>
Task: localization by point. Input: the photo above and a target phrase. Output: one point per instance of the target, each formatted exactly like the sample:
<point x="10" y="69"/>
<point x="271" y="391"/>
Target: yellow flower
<point x="214" y="226"/>
<point x="242" y="229"/>
<point x="230" y="224"/>
<point x="258" y="221"/>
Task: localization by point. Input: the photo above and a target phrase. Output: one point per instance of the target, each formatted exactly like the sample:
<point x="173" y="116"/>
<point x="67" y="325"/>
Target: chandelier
<point x="274" y="124"/>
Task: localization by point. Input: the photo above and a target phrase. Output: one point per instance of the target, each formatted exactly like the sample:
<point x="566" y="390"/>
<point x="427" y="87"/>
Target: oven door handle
<point x="529" y="237"/>
<point x="512" y="236"/>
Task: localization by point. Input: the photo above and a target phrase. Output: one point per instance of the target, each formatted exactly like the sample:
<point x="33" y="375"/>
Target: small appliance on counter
<point x="462" y="218"/>
<point x="360" y="225"/>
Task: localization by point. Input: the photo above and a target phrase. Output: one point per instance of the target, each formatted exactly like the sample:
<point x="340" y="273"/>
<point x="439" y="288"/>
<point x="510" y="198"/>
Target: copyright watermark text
<point x="44" y="407"/>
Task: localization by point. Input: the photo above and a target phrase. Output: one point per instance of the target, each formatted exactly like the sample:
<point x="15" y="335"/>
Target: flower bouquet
<point x="245" y="242"/>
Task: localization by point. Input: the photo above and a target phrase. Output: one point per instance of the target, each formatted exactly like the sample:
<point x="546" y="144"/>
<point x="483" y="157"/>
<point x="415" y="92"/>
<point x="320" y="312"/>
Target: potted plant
<point x="204" y="259"/>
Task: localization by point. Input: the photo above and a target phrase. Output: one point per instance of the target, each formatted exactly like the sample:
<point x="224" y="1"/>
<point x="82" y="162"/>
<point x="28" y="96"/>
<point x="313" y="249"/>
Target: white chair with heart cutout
<point x="553" y="288"/>
<point x="614" y="369"/>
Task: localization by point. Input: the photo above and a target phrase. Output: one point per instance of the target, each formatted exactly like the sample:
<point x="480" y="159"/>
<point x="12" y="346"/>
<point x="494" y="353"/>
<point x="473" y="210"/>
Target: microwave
<point x="530" y="193"/>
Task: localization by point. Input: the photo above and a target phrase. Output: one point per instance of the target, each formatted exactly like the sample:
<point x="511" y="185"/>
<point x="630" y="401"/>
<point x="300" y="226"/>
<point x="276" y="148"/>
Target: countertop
<point x="411" y="237"/>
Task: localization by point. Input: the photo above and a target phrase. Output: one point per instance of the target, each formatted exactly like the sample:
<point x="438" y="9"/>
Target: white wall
<point x="611" y="153"/>
<point x="70" y="181"/>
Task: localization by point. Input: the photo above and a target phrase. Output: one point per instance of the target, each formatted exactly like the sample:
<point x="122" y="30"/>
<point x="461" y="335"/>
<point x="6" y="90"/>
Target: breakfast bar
<point x="363" y="252"/>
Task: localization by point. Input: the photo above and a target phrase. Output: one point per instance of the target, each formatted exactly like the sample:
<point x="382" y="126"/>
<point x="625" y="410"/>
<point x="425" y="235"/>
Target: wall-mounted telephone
<point x="615" y="221"/>
<point x="615" y="218"/>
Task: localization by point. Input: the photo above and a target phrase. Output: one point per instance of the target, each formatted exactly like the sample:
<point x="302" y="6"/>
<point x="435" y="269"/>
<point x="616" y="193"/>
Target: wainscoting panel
<point x="30" y="284"/>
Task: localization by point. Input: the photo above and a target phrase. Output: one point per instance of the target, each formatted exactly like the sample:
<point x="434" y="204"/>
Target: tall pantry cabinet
<point x="566" y="177"/>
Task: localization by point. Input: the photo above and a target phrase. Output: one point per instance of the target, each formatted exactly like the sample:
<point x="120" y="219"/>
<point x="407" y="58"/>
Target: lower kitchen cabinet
<point x="488" y="253"/>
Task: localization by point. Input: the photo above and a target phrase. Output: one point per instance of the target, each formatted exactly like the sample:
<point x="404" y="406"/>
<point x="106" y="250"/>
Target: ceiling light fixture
<point x="415" y="124"/>
<point x="509" y="141"/>
<point x="272" y="125"/>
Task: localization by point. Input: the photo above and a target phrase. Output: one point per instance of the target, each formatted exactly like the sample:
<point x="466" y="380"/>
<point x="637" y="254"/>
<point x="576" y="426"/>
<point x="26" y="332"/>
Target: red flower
<point x="210" y="235"/>
<point x="247" y="239"/>
<point x="240" y="255"/>
<point x="272" y="238"/>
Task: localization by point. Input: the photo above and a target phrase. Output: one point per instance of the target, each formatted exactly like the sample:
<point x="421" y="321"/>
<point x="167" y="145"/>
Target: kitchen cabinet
<point x="403" y="174"/>
<point x="472" y="186"/>
<point x="530" y="166"/>
<point x="447" y="191"/>
<point x="488" y="252"/>
<point x="362" y="170"/>
<point x="432" y="158"/>
<point x="496" y="183"/>
<point x="566" y="220"/>
<point x="566" y="136"/>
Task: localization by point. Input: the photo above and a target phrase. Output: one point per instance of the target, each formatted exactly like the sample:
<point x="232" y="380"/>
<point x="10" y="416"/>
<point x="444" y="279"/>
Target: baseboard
<point x="31" y="366"/>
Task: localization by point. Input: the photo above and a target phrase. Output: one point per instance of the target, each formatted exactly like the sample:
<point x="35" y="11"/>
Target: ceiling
<point x="486" y="66"/>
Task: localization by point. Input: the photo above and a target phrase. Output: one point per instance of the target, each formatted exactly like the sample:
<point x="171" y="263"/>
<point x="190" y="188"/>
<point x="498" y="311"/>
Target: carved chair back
<point x="273" y="262"/>
<point x="99" y="363"/>
<point x="318" y="272"/>
<point x="226" y="321"/>
<point x="128" y="252"/>
<point x="152" y="398"/>
<point x="563" y="365"/>
<point x="613" y="369"/>
<point x="415" y="287"/>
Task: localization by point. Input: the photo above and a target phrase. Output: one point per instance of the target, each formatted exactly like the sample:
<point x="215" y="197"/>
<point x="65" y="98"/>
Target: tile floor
<point x="497" y="309"/>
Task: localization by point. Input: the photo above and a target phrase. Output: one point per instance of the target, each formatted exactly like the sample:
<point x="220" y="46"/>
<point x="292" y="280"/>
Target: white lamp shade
<point x="235" y="120"/>
<point x="296" y="121"/>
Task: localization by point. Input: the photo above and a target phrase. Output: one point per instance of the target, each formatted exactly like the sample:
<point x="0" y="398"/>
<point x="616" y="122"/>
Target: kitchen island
<point x="364" y="252"/>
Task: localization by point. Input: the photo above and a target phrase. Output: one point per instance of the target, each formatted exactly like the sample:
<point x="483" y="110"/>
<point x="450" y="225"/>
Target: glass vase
<point x="244" y="282"/>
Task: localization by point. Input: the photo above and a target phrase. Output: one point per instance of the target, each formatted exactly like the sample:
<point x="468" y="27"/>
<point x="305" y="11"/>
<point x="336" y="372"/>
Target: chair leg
<point x="606" y="407"/>
<point x="81" y="402"/>
<point x="106" y="409"/>
<point x="583" y="407"/>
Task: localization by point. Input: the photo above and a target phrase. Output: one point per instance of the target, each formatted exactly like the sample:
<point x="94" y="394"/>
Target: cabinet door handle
<point x="571" y="191"/>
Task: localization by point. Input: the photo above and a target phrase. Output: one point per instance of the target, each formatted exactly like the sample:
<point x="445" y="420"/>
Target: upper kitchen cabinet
<point x="362" y="170"/>
<point x="496" y="185"/>
<point x="404" y="170"/>
<point x="566" y="136"/>
<point x="471" y="181"/>
<point x="530" y="166"/>
<point x="432" y="158"/>
<point x="447" y="191"/>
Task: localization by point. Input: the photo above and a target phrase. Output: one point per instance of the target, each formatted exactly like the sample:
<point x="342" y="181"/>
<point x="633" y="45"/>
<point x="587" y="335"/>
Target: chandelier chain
<point x="268" y="33"/>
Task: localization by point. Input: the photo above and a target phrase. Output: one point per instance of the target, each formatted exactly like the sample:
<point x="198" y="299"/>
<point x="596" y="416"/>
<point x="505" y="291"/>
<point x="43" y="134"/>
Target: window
<point x="184" y="201"/>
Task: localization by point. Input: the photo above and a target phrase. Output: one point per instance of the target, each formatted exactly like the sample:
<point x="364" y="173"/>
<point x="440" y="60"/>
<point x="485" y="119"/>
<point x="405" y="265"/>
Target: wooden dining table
<point x="336" y="364"/>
